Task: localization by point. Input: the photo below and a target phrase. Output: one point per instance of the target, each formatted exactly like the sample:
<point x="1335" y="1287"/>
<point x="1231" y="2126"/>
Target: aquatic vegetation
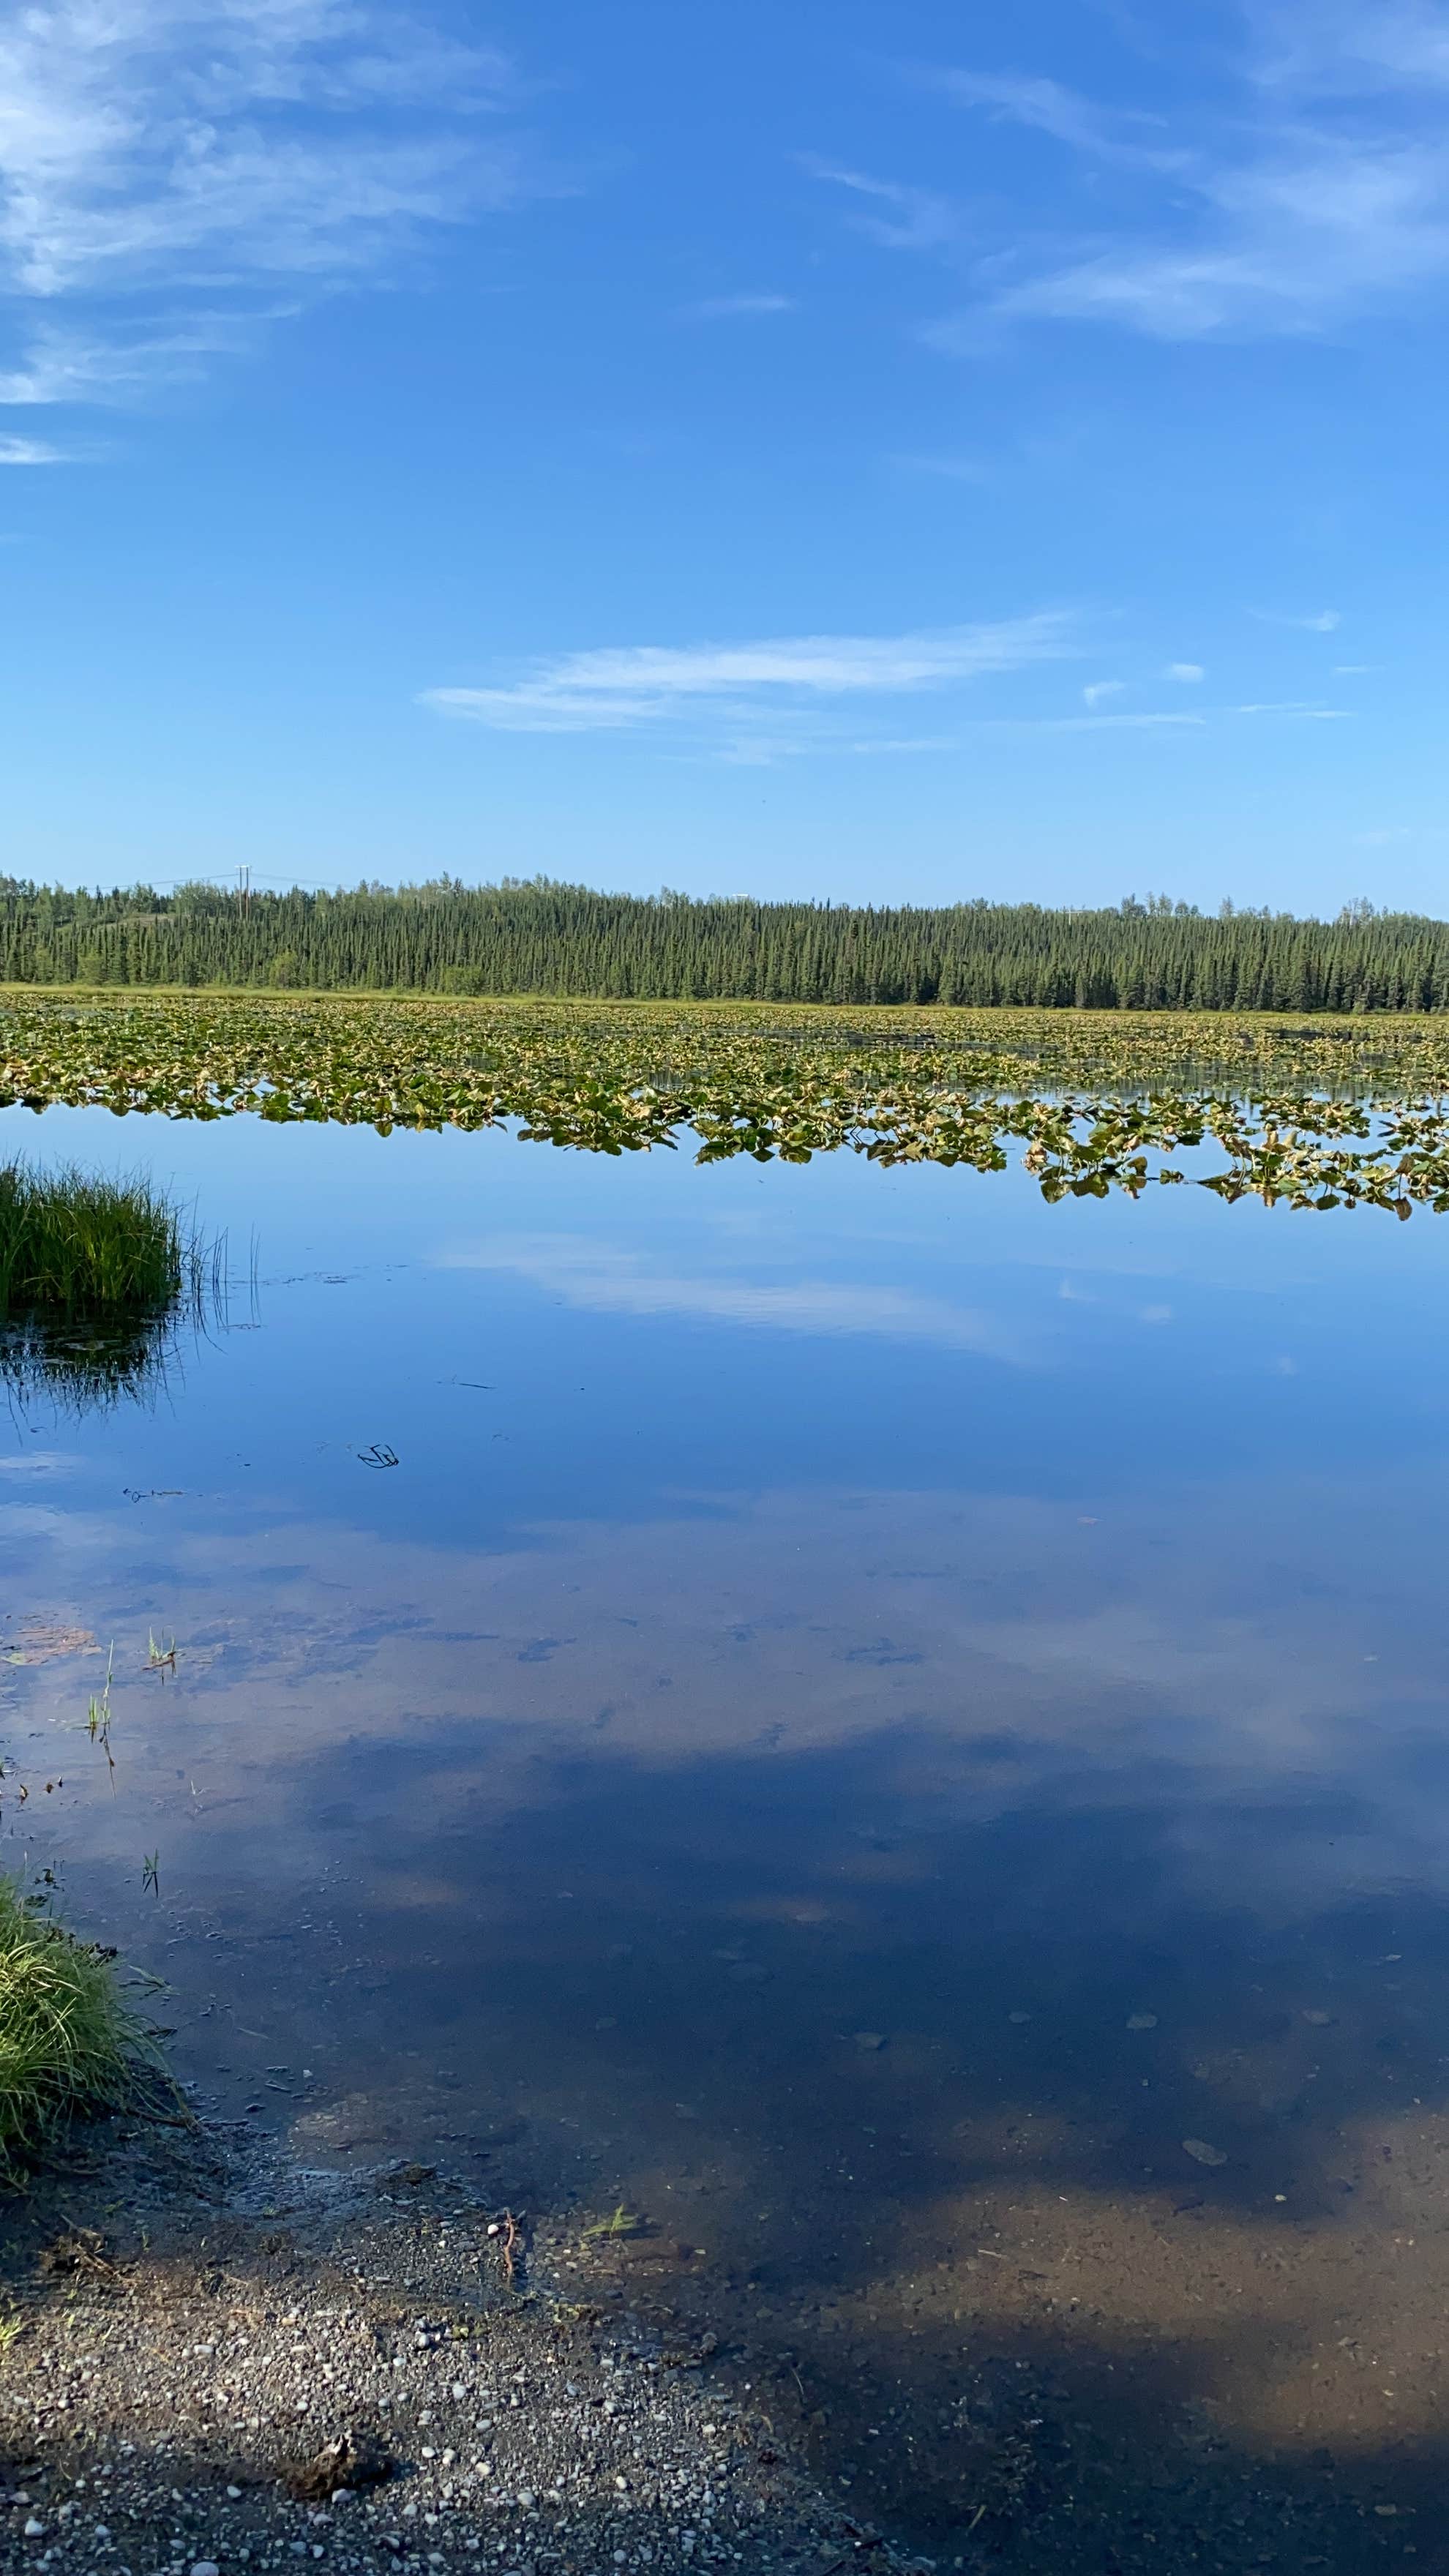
<point x="73" y="1244"/>
<point x="98" y="1715"/>
<point x="70" y="2044"/>
<point x="1318" y="1114"/>
<point x="96" y="1278"/>
<point x="622" y="2221"/>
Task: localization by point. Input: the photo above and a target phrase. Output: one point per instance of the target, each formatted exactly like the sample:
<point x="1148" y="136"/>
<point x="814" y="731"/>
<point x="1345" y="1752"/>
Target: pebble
<point x="1202" y="2153"/>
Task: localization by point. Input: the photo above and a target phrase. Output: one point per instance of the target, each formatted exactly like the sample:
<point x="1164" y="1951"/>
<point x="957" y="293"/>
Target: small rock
<point x="1202" y="2154"/>
<point x="1320" y="2020"/>
<point x="869" y="2039"/>
<point x="344" y="2462"/>
<point x="206" y="2567"/>
<point x="1018" y="2018"/>
<point x="1142" y="2021"/>
<point x="34" y="2530"/>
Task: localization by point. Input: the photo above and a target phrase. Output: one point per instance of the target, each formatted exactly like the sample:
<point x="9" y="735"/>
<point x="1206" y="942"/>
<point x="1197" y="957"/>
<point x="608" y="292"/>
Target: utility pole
<point x="244" y="887"/>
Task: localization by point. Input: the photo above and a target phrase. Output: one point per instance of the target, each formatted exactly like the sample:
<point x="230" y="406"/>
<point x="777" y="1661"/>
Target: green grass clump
<point x="70" y="2045"/>
<point x="74" y="1244"/>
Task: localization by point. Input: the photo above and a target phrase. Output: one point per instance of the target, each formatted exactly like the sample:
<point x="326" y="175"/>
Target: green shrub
<point x="70" y="2044"/>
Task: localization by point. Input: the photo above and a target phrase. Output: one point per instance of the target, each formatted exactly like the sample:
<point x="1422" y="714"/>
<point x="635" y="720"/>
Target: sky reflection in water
<point x="868" y="1711"/>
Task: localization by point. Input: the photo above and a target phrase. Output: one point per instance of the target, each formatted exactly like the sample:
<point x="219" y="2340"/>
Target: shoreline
<point x="189" y="2320"/>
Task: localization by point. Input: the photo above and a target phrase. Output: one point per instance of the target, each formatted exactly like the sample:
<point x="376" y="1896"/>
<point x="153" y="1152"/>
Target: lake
<point x="886" y="1737"/>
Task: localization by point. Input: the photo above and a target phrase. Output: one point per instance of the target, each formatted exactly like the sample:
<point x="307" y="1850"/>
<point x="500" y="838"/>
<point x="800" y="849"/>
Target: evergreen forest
<point x="539" y="936"/>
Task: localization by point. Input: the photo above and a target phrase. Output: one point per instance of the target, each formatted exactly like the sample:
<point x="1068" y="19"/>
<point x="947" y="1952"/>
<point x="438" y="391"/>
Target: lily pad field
<point x="1320" y="1114"/>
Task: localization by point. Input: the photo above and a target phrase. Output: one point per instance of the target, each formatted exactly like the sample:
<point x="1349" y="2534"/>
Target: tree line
<point x="539" y="936"/>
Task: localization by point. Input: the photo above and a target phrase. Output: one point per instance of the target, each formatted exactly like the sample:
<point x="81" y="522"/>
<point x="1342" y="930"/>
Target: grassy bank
<point x="72" y="1244"/>
<point x="70" y="2044"/>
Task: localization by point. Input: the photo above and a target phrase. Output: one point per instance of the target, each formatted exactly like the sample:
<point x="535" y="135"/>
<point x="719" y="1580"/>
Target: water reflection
<point x="950" y="1827"/>
<point x="76" y="1368"/>
<point x="79" y="1364"/>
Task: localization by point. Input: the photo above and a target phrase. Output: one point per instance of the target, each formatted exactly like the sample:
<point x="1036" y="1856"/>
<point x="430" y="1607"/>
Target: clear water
<point x="867" y="1712"/>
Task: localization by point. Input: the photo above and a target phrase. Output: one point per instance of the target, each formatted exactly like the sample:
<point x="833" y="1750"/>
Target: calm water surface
<point x="868" y="1713"/>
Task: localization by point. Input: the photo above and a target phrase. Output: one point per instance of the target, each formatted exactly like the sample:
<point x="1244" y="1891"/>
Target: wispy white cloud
<point x="722" y="308"/>
<point x="1051" y="109"/>
<point x="1187" y="672"/>
<point x="950" y="469"/>
<point x="1313" y="186"/>
<point x="158" y="155"/>
<point x="1338" y="48"/>
<point x="1122" y="722"/>
<point x="1292" y="707"/>
<point x="31" y="451"/>
<point x="61" y="365"/>
<point x="732" y="684"/>
<point x="1098" y="691"/>
<point x="1326" y="621"/>
<point x="1149" y="720"/>
<point x="903" y="218"/>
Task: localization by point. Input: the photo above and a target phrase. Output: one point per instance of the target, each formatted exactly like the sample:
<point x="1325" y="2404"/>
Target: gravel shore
<point x="215" y="2360"/>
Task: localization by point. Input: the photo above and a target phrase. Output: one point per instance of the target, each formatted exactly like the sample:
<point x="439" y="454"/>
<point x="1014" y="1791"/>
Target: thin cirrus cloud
<point x="1097" y="692"/>
<point x="725" y="308"/>
<point x="740" y="687"/>
<point x="1307" y="187"/>
<point x="31" y="451"/>
<point x="899" y="217"/>
<point x="1189" y="673"/>
<point x="167" y="167"/>
<point x="1326" y="621"/>
<point x="947" y="469"/>
<point x="1049" y="108"/>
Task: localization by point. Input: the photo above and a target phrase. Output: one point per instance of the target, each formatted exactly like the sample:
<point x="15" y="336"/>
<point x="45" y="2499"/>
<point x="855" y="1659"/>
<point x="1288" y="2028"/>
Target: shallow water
<point x="867" y="1712"/>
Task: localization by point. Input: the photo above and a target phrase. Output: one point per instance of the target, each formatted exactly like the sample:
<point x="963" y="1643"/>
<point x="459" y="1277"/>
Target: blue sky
<point x="907" y="450"/>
